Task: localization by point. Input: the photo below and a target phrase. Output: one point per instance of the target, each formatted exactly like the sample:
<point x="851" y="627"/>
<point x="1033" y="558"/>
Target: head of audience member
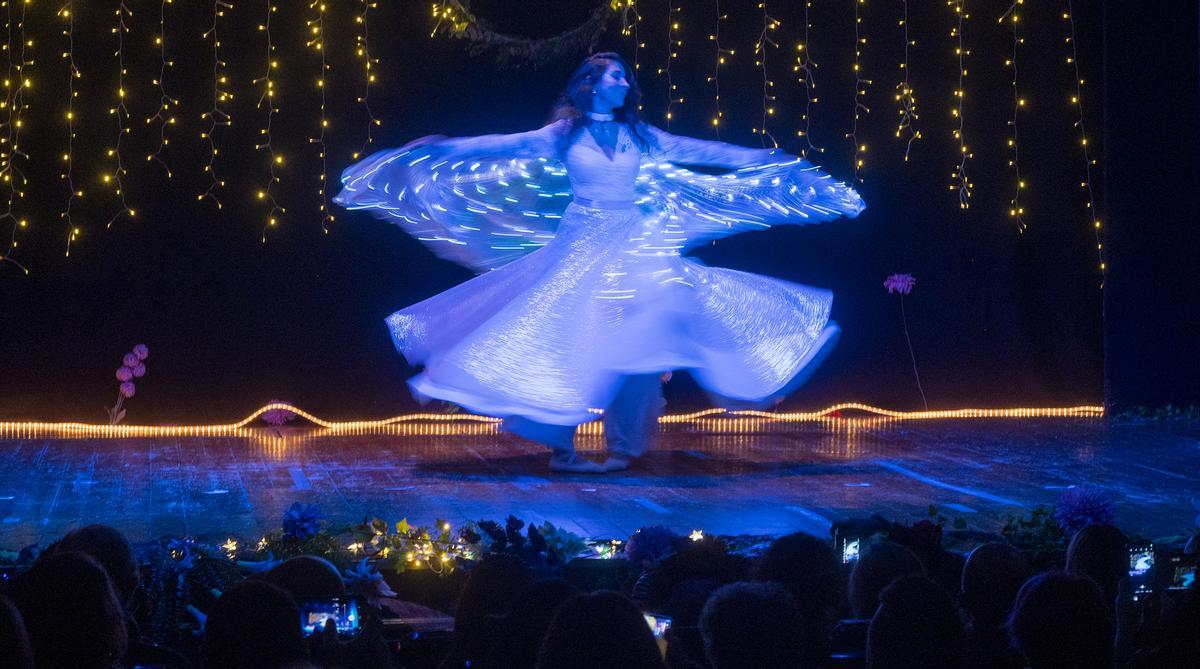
<point x="879" y="564"/>
<point x="15" y="645"/>
<point x="1100" y="552"/>
<point x="307" y="577"/>
<point x="517" y="638"/>
<point x="491" y="588"/>
<point x="991" y="579"/>
<point x="253" y="625"/>
<point x="916" y="625"/>
<point x="681" y="583"/>
<point x="1062" y="621"/>
<point x="807" y="567"/>
<point x="71" y="612"/>
<point x="111" y="549"/>
<point x="752" y="625"/>
<point x="597" y="631"/>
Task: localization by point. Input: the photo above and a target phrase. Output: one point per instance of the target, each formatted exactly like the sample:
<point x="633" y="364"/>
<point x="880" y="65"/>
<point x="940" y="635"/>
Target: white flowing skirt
<point x="550" y="335"/>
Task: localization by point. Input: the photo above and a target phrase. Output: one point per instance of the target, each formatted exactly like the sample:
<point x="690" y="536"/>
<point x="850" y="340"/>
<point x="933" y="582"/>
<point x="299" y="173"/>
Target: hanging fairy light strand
<point x="67" y="13"/>
<point x="1088" y="161"/>
<point x="121" y="112"/>
<point x="274" y="160"/>
<point x="904" y="94"/>
<point x="216" y="115"/>
<point x="637" y="42"/>
<point x="673" y="46"/>
<point x="959" y="180"/>
<point x="804" y="69"/>
<point x="316" y="28"/>
<point x="1016" y="210"/>
<point x="718" y="61"/>
<point x="362" y="50"/>
<point x="163" y="115"/>
<point x="15" y="83"/>
<point x="764" y="41"/>
<point x="860" y="90"/>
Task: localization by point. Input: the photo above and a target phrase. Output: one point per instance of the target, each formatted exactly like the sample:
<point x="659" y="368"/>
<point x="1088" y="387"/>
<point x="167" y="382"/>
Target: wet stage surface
<point x="763" y="478"/>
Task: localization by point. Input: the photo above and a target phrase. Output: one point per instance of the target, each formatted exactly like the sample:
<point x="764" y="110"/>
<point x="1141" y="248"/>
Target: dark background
<point x="998" y="318"/>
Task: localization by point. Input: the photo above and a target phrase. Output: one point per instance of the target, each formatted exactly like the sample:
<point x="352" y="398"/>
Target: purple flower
<point x="900" y="283"/>
<point x="1082" y="506"/>
<point x="124" y="374"/>
<point x="141" y="351"/>
<point x="139" y="370"/>
<point x="127" y="389"/>
<point x="130" y="360"/>
<point x="277" y="416"/>
<point x="301" y="521"/>
<point x="651" y="543"/>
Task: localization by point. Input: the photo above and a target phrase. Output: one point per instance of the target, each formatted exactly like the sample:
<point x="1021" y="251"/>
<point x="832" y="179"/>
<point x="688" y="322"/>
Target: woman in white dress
<point x="586" y="300"/>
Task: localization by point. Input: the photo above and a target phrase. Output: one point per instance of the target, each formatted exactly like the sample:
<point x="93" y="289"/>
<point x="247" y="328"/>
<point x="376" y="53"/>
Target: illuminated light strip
<point x="99" y="430"/>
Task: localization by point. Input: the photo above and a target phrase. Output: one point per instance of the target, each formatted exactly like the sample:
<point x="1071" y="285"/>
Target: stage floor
<point x="722" y="476"/>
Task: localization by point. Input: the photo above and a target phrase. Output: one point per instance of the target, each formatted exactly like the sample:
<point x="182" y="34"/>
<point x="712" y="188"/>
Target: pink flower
<point x="141" y="351"/>
<point x="130" y="360"/>
<point x="124" y="374"/>
<point x="277" y="416"/>
<point x="127" y="389"/>
<point x="900" y="283"/>
<point x="139" y="371"/>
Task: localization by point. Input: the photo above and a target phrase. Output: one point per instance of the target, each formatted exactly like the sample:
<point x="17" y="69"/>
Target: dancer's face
<point x="610" y="90"/>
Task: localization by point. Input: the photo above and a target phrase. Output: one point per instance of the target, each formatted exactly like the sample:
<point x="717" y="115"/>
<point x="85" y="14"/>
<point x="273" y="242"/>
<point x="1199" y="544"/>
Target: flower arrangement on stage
<point x="133" y="367"/>
<point x="1081" y="506"/>
<point x="903" y="284"/>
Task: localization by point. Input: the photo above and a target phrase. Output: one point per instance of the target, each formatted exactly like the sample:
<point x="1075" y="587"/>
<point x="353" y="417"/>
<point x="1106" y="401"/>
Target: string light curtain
<point x="121" y="112"/>
<point x="959" y="181"/>
<point x="15" y="82"/>
<point x="349" y="24"/>
<point x="805" y="70"/>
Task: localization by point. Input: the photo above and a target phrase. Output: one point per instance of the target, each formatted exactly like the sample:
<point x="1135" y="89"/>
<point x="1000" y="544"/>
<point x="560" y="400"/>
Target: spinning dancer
<point x="585" y="300"/>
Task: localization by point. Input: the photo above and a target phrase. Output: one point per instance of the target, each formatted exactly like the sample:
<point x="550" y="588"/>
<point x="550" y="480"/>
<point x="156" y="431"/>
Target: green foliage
<point x="1039" y="532"/>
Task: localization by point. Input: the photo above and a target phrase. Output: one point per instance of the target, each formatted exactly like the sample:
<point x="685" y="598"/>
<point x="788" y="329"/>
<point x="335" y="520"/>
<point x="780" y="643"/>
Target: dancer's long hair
<point x="576" y="100"/>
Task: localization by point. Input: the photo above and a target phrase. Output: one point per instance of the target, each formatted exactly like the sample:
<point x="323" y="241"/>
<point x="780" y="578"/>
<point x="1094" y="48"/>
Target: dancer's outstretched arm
<point x="541" y="143"/>
<point x="688" y="150"/>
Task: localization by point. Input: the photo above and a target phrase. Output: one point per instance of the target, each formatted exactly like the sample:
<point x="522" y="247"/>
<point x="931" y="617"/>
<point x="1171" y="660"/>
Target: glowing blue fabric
<point x="577" y="297"/>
